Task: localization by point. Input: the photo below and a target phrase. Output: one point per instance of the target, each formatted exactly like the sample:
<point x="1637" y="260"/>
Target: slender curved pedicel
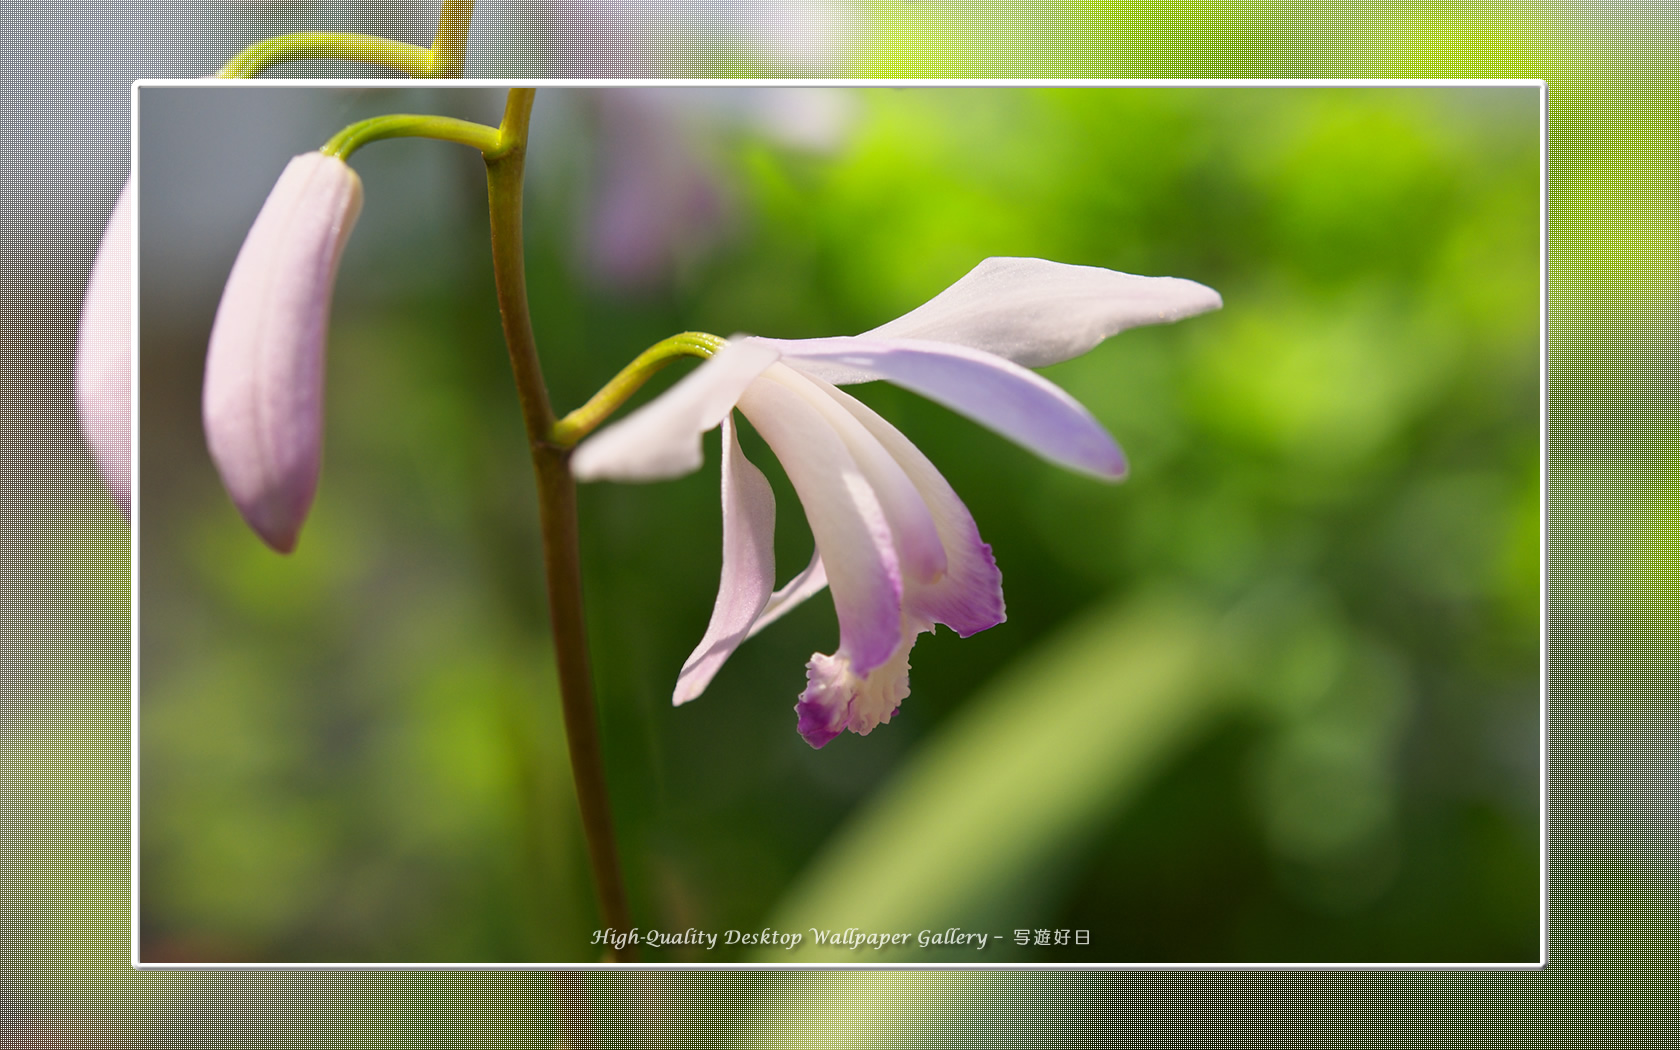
<point x="263" y="380"/>
<point x="895" y="545"/>
<point x="103" y="349"/>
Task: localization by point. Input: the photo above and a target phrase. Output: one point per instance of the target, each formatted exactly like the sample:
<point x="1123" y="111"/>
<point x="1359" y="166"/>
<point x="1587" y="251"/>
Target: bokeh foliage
<point x="1275" y="698"/>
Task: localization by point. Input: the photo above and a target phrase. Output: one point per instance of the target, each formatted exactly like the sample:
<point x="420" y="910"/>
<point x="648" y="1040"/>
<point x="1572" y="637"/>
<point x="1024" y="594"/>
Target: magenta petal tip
<point x="822" y="713"/>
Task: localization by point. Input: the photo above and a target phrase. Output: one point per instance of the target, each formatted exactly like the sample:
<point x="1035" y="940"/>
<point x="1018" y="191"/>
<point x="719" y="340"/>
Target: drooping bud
<point x="263" y="381"/>
<point x="102" y="351"/>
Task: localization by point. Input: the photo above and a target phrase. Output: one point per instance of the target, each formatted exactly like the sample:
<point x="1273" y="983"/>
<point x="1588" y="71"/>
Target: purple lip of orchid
<point x="894" y="543"/>
<point x="103" y="350"/>
<point x="263" y="376"/>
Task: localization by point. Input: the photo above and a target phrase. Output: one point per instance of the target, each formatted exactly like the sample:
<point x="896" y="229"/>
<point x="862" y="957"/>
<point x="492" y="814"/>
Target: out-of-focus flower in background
<point x="264" y="374"/>
<point x="693" y="38"/>
<point x="656" y="199"/>
<point x="653" y="197"/>
<point x="894" y="542"/>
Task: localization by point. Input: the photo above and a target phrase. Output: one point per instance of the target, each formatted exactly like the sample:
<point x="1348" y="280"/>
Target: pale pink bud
<point x="263" y="379"/>
<point x="102" y="351"/>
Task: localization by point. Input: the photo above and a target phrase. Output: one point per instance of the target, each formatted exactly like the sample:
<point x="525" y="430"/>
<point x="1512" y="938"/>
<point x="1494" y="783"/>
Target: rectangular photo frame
<point x="1275" y="702"/>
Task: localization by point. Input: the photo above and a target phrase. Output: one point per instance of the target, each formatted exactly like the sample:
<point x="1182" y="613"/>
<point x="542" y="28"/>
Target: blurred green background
<point x="1275" y="698"/>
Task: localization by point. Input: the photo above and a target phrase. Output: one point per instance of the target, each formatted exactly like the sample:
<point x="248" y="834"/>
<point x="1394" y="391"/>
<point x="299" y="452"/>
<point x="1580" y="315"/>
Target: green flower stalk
<point x="446" y="57"/>
<point x="557" y="503"/>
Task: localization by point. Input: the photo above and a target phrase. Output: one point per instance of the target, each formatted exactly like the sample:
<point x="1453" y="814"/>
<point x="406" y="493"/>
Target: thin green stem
<point x="577" y="424"/>
<point x="350" y="47"/>
<point x="449" y="46"/>
<point x="481" y="137"/>
<point x="447" y="57"/>
<point x="557" y="504"/>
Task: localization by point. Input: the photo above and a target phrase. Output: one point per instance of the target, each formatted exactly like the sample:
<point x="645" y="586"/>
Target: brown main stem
<point x="557" y="501"/>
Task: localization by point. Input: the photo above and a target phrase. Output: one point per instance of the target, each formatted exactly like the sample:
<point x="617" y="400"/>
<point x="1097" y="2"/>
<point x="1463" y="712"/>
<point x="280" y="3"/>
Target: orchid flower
<point x="895" y="545"/>
<point x="263" y="377"/>
<point x="103" y="351"/>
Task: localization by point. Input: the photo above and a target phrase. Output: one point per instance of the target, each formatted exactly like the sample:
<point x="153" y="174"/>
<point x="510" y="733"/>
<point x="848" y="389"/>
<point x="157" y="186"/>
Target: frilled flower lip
<point x="895" y="545"/>
<point x="263" y="378"/>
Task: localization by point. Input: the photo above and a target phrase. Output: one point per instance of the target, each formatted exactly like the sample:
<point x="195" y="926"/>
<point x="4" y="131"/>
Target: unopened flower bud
<point x="102" y="351"/>
<point x="263" y="381"/>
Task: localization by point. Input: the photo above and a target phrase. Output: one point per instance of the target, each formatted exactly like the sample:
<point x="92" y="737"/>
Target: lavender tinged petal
<point x="850" y="528"/>
<point x="969" y="597"/>
<point x="103" y="349"/>
<point x="1036" y="312"/>
<point x="811" y="582"/>
<point x="749" y="567"/>
<point x="263" y="378"/>
<point x="994" y="392"/>
<point x="920" y="551"/>
<point x="662" y="438"/>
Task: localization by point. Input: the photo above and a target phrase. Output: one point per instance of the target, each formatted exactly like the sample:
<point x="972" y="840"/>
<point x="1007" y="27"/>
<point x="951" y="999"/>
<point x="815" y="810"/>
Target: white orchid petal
<point x="662" y="438"/>
<point x="264" y="373"/>
<point x="969" y="597"/>
<point x="994" y="392"/>
<point x="920" y="551"/>
<point x="809" y="583"/>
<point x="850" y="528"/>
<point x="104" y="349"/>
<point x="1036" y="312"/>
<point x="749" y="567"/>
